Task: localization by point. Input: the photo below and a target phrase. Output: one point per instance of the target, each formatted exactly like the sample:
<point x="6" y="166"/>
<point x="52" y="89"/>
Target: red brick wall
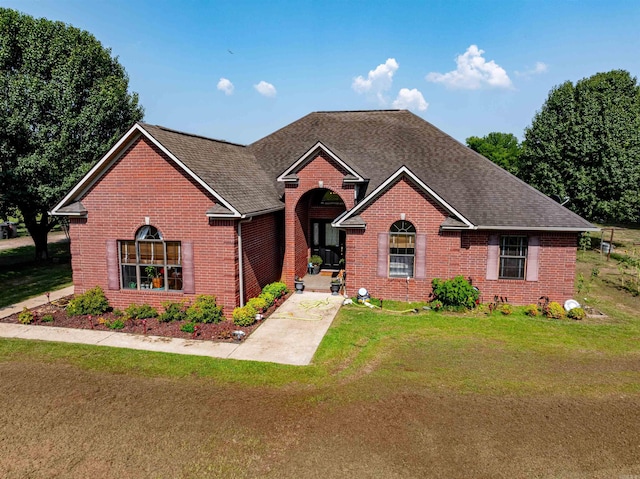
<point x="145" y="183"/>
<point x="449" y="254"/>
<point x="321" y="168"/>
<point x="263" y="249"/>
<point x="556" y="268"/>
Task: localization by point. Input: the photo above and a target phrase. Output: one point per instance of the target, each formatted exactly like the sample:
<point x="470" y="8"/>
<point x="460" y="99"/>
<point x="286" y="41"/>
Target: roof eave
<point x="559" y="229"/>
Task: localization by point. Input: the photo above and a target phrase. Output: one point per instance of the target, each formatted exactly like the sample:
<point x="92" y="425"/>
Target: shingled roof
<point x="230" y="169"/>
<point x="377" y="143"/>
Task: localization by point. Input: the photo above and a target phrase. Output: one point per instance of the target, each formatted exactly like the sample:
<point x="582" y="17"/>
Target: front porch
<point x="319" y="282"/>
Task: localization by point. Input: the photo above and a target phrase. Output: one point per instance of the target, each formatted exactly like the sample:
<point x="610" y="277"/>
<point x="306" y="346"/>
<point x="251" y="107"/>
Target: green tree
<point x="64" y="102"/>
<point x="585" y="144"/>
<point x="501" y="148"/>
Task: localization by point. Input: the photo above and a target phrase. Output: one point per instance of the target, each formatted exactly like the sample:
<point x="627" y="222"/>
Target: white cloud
<point x="225" y="86"/>
<point x="265" y="89"/>
<point x="473" y="72"/>
<point x="536" y="70"/>
<point x="410" y="100"/>
<point x="378" y="80"/>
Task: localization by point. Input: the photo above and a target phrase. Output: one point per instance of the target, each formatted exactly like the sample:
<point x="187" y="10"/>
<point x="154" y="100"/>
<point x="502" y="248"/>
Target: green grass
<point x="375" y="351"/>
<point x="22" y="278"/>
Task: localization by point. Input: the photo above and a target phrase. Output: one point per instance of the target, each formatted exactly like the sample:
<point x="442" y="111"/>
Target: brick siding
<point x="146" y="183"/>
<point x="449" y="254"/>
<point x="263" y="250"/>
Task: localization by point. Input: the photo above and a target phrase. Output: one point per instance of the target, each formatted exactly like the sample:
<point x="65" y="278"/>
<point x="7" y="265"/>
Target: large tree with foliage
<point x="585" y="144"/>
<point x="501" y="148"/>
<point x="64" y="103"/>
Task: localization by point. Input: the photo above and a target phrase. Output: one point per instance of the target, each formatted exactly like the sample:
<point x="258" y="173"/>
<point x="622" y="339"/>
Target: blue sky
<point x="468" y="67"/>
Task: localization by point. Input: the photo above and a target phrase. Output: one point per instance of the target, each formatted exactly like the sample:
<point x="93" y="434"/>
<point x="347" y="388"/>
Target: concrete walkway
<point x="291" y="335"/>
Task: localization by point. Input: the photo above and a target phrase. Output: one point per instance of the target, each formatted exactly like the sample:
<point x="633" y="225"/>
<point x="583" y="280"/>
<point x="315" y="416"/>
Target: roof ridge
<point x="361" y="111"/>
<point x="184" y="133"/>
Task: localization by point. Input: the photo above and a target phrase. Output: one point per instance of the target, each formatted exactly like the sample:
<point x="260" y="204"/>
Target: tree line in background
<point x="583" y="146"/>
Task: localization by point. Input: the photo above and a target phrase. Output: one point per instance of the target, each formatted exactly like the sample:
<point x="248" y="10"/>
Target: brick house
<point x="385" y="194"/>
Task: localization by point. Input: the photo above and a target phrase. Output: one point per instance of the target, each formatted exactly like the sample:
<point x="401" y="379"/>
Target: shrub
<point x="455" y="292"/>
<point x="173" y="311"/>
<point x="259" y="304"/>
<point x="277" y="289"/>
<point x="244" y="316"/>
<point x="204" y="310"/>
<point x="188" y="328"/>
<point x="555" y="310"/>
<point x="577" y="314"/>
<point x="142" y="311"/>
<point x="268" y="297"/>
<point x="92" y="302"/>
<point x="531" y="310"/>
<point x="115" y="324"/>
<point x="47" y="318"/>
<point x="118" y="313"/>
<point x="26" y="316"/>
<point x="506" y="309"/>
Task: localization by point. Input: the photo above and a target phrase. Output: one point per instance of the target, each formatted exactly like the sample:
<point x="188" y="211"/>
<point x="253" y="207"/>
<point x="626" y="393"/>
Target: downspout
<point x="240" y="266"/>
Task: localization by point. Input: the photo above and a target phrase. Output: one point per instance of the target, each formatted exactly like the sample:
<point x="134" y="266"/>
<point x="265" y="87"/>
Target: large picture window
<point x="513" y="257"/>
<point x="149" y="262"/>
<point x="402" y="244"/>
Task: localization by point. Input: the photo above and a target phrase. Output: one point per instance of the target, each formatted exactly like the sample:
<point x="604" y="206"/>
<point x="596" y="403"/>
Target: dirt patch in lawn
<point x="58" y="317"/>
<point x="58" y="420"/>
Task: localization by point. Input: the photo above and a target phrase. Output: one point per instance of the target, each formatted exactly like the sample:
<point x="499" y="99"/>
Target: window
<point x="149" y="262"/>
<point x="513" y="256"/>
<point x="402" y="243"/>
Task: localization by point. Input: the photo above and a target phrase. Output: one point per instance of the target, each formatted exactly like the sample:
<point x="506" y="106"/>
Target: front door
<point x="327" y="242"/>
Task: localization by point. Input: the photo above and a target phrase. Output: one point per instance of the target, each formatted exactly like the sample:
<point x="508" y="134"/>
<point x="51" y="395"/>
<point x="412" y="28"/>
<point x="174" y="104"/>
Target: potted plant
<point x="336" y="284"/>
<point x="155" y="274"/>
<point x="316" y="262"/>
<point x="299" y="284"/>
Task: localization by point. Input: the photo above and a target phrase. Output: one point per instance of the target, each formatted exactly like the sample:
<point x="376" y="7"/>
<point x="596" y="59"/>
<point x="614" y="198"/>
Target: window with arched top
<point x="150" y="262"/>
<point x="402" y="249"/>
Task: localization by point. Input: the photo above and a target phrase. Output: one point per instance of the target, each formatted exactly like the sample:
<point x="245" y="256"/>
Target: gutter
<point x="240" y="265"/>
<point x="558" y="229"/>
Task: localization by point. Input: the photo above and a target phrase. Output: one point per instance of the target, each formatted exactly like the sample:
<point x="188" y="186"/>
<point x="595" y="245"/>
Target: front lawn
<point x="22" y="278"/>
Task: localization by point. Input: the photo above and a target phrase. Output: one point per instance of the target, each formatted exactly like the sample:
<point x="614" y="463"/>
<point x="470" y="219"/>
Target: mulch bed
<point x="220" y="332"/>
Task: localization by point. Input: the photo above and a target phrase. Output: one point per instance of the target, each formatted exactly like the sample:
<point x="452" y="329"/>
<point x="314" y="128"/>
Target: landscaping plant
<point x="92" y="302"/>
<point x="26" y="316"/>
<point x="259" y="304"/>
<point x="268" y="297"/>
<point x="277" y="289"/>
<point x="555" y="310"/>
<point x="577" y="314"/>
<point x="142" y="311"/>
<point x="173" y="311"/>
<point x="204" y="310"/>
<point x="244" y="316"/>
<point x="188" y="328"/>
<point x="456" y="292"/>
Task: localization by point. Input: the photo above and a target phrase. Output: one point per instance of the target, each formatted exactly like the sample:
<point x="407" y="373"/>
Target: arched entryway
<point x="315" y="211"/>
